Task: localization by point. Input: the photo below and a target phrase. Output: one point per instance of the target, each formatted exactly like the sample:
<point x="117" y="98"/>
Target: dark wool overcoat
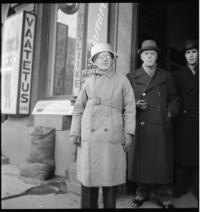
<point x="187" y="123"/>
<point x="151" y="159"/>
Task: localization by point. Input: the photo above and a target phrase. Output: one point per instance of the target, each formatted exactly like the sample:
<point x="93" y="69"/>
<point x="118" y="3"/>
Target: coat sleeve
<point x="129" y="108"/>
<point x="173" y="106"/>
<point x="78" y="111"/>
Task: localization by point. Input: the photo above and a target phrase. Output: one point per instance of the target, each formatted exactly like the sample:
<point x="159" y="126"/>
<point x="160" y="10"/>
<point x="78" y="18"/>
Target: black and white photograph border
<point x="45" y="61"/>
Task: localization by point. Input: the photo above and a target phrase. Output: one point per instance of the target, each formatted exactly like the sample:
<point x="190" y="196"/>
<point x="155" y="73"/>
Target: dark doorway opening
<point x="170" y="24"/>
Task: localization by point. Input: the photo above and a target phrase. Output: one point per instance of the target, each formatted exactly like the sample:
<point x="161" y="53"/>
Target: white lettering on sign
<point x="97" y="27"/>
<point x="78" y="51"/>
<point x="26" y="64"/>
<point x="53" y="107"/>
<point x="98" y="24"/>
<point x="87" y="73"/>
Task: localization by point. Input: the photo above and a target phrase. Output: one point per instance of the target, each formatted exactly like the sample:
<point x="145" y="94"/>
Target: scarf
<point x="148" y="70"/>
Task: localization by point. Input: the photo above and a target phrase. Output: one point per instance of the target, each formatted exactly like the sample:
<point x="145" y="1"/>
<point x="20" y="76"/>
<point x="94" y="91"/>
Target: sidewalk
<point x="12" y="184"/>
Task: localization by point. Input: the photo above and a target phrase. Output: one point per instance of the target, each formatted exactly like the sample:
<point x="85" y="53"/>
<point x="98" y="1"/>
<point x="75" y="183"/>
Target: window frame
<point x="52" y="51"/>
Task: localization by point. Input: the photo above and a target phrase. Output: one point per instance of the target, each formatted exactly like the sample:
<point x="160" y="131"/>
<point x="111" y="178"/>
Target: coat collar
<point x="108" y="74"/>
<point x="192" y="80"/>
<point x="158" y="77"/>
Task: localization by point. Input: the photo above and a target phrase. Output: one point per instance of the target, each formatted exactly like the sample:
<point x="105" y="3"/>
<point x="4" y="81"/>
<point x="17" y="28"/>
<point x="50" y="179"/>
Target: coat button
<point x="97" y="101"/>
<point x="158" y="93"/>
<point x="92" y="130"/>
<point x="142" y="123"/>
<point x="143" y="94"/>
<point x="185" y="111"/>
<point x="106" y="130"/>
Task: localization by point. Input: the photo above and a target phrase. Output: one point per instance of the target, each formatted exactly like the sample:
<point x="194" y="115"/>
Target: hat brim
<point x="146" y="49"/>
<point x="189" y="48"/>
<point x="113" y="53"/>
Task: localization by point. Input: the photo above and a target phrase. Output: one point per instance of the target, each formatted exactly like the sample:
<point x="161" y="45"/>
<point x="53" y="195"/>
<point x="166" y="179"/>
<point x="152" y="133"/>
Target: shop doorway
<point x="170" y="24"/>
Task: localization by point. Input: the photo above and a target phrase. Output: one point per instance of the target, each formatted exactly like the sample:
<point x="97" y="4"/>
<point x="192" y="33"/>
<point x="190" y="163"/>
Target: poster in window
<point x="60" y="58"/>
<point x="17" y="59"/>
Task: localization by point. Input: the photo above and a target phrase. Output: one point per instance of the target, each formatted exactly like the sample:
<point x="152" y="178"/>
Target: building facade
<point x="56" y="41"/>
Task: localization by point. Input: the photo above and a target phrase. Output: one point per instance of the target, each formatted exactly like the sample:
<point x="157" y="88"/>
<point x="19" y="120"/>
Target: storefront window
<point x="78" y="27"/>
<point x="66" y="34"/>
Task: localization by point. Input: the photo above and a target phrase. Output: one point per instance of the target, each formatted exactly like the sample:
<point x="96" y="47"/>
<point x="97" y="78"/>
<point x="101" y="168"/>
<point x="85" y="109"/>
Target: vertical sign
<point x="17" y="56"/>
<point x="78" y="50"/>
<point x="27" y="62"/>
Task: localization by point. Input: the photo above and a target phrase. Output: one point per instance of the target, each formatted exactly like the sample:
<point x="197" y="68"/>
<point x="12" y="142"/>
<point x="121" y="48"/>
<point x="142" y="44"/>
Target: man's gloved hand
<point x="142" y="104"/>
<point x="128" y="142"/>
<point x="75" y="139"/>
<point x="169" y="114"/>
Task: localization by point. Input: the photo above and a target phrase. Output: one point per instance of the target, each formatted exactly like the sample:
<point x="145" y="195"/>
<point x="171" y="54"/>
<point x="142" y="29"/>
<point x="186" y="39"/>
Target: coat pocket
<point x="85" y="126"/>
<point x="115" y="128"/>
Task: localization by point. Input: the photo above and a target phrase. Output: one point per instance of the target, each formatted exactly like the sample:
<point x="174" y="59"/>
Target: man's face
<point x="191" y="56"/>
<point x="103" y="61"/>
<point x="149" y="57"/>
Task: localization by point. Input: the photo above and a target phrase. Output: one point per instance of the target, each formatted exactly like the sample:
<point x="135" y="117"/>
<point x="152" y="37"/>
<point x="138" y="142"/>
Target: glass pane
<point x="97" y="26"/>
<point x="65" y="48"/>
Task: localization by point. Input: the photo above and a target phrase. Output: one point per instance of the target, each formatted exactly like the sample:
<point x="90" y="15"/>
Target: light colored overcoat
<point x="103" y="112"/>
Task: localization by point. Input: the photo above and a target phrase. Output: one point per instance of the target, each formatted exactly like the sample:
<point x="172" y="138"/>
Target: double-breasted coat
<point x="151" y="159"/>
<point x="187" y="123"/>
<point x="103" y="112"/>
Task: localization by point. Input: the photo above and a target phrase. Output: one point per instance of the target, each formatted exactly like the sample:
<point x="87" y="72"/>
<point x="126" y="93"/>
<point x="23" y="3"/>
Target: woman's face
<point x="103" y="61"/>
<point x="191" y="56"/>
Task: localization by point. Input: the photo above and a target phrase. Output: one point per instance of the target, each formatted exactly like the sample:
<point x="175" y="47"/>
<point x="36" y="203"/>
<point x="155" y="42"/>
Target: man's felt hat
<point x="148" y="45"/>
<point x="190" y="44"/>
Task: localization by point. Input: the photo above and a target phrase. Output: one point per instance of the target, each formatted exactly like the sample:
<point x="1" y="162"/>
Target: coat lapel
<point x="158" y="78"/>
<point x="140" y="77"/>
<point x="191" y="79"/>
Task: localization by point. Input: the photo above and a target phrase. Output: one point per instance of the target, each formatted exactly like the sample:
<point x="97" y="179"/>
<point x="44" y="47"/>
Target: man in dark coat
<point x="150" y="162"/>
<point x="187" y="123"/>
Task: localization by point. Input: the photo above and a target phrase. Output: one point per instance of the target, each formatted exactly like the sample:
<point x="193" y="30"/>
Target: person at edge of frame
<point x="150" y="162"/>
<point x="103" y="124"/>
<point x="187" y="124"/>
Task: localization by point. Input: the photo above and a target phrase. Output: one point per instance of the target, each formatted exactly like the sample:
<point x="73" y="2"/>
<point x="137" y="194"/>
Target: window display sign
<point x="86" y="73"/>
<point x="53" y="107"/>
<point x="17" y="59"/>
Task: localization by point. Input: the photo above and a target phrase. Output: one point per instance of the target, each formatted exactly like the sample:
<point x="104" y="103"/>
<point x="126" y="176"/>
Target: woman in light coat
<point x="103" y="125"/>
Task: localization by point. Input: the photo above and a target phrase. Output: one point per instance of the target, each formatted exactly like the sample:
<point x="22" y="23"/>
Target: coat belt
<point x="108" y="103"/>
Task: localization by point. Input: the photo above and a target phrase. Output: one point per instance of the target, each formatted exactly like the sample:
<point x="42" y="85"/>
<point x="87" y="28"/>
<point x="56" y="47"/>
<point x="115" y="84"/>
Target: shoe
<point x="177" y="195"/>
<point x="137" y="202"/>
<point x="167" y="204"/>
